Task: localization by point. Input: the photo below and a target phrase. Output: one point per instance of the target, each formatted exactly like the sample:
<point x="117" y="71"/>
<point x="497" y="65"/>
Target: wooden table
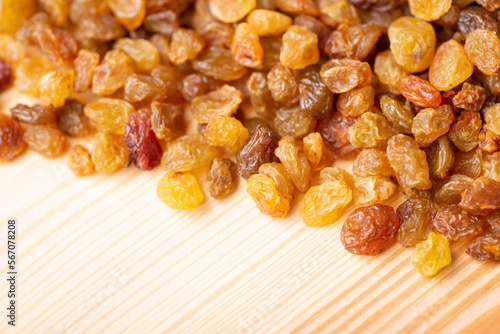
<point x="102" y="254"/>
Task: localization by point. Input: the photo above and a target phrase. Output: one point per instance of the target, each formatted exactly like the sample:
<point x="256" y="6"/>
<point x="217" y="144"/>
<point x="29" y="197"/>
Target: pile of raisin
<point x="408" y="91"/>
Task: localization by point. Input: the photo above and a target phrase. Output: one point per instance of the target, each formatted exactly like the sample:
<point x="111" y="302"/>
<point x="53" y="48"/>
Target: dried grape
<point x="431" y="255"/>
<point x="46" y="139"/>
<point x="11" y="138"/>
<point x="221" y="177"/>
<point x="180" y="191"/>
<point x="79" y="161"/>
<point x="484" y="248"/>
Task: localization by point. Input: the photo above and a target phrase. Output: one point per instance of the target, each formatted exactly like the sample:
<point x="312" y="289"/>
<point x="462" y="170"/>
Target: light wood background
<point x="102" y="254"/>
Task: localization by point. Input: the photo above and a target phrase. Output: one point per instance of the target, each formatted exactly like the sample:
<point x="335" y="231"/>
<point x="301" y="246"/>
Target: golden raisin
<point x="109" y="153"/>
<point x="299" y="48"/>
<point x="269" y="22"/>
<point x="450" y="66"/>
<point x="79" y="161"/>
<point x="180" y="191"/>
<point x="109" y="115"/>
<point x="246" y="47"/>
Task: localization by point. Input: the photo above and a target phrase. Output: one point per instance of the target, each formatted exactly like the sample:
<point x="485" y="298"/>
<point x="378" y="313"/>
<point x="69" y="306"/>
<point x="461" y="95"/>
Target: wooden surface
<point x="102" y="254"/>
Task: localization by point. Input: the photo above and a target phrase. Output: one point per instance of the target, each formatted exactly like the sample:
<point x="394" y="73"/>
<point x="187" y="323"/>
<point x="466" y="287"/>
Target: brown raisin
<point x="455" y="223"/>
<point x="36" y="114"/>
<point x="259" y="149"/>
<point x="399" y="114"/>
<point x="484" y="248"/>
<point x="481" y="197"/>
<point x="370" y="230"/>
<point x="468" y="163"/>
<point x="334" y="131"/>
<point x="315" y="97"/>
<point x="450" y="191"/>
<point x="221" y="177"/>
<point x="5" y="75"/>
<point x="167" y="120"/>
<point x="218" y="62"/>
<point x="415" y="216"/>
<point x="441" y="157"/>
<point x="353" y="41"/>
<point x="293" y="122"/>
<point x="72" y="121"/>
<point x="11" y="138"/>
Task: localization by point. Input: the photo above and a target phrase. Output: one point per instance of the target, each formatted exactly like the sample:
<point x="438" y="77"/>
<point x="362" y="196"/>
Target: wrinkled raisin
<point x="455" y="223"/>
<point x="221" y="177"/>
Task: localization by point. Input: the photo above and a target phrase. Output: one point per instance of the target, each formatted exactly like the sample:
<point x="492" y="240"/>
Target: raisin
<point x="484" y="248"/>
<point x="317" y="153"/>
<point x="215" y="32"/>
<point x="259" y="149"/>
<point x="79" y="161"/>
<point x="482" y="48"/>
<point x="230" y="11"/>
<point x="221" y="177"/>
<point x="342" y="75"/>
<point x="185" y="44"/>
<point x="130" y="13"/>
<point x="198" y="84"/>
<point x="324" y="203"/>
<point x="141" y="140"/>
<point x="272" y="47"/>
<point x="85" y="64"/>
<point x="11" y="50"/>
<point x="388" y="70"/>
<point x="441" y="157"/>
<point x="293" y="122"/>
<point x="269" y="22"/>
<point x="334" y="131"/>
<point x="218" y="62"/>
<point x="468" y="163"/>
<point x="370" y="230"/>
<point x="481" y="197"/>
<point x="371" y="162"/>
<point x="111" y="74"/>
<point x="164" y="22"/>
<point x="319" y="28"/>
<point x="266" y="196"/>
<point x="400" y="115"/>
<point x="282" y="84"/>
<point x="373" y="189"/>
<point x="14" y="13"/>
<point x="299" y="48"/>
<point x="493" y="220"/>
<point x="140" y="87"/>
<point x="353" y="41"/>
<point x="5" y="75"/>
<point x="315" y="97"/>
<point x="336" y="173"/>
<point x="72" y="121"/>
<point x="450" y="66"/>
<point x="371" y="131"/>
<point x="226" y="132"/>
<point x="408" y="162"/>
<point x="470" y="97"/>
<point x="412" y="43"/>
<point x="188" y="153"/>
<point x="142" y="52"/>
<point x="377" y="5"/>
<point x="450" y="190"/>
<point x="474" y="17"/>
<point x="455" y="223"/>
<point x="36" y="114"/>
<point x="294" y="160"/>
<point x="28" y="73"/>
<point x="492" y="118"/>
<point x="223" y="101"/>
<point x="297" y="7"/>
<point x="11" y="138"/>
<point x="167" y="120"/>
<point x="465" y="131"/>
<point x="450" y="18"/>
<point x="415" y="216"/>
<point x="180" y="191"/>
<point x="430" y="124"/>
<point x="336" y="12"/>
<point x="46" y="139"/>
<point x="431" y="255"/>
<point x="429" y="10"/>
<point x="283" y="182"/>
<point x="110" y="152"/>
<point x="56" y="86"/>
<point x="420" y="92"/>
<point x="108" y="114"/>
<point x="172" y="77"/>
<point x="260" y="95"/>
<point x="356" y="101"/>
<point x="488" y="141"/>
<point x="246" y="47"/>
<point x="494" y="160"/>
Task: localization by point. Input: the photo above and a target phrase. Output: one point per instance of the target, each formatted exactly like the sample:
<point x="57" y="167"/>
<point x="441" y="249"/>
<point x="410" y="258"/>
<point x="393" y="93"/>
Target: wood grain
<point x="102" y="254"/>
